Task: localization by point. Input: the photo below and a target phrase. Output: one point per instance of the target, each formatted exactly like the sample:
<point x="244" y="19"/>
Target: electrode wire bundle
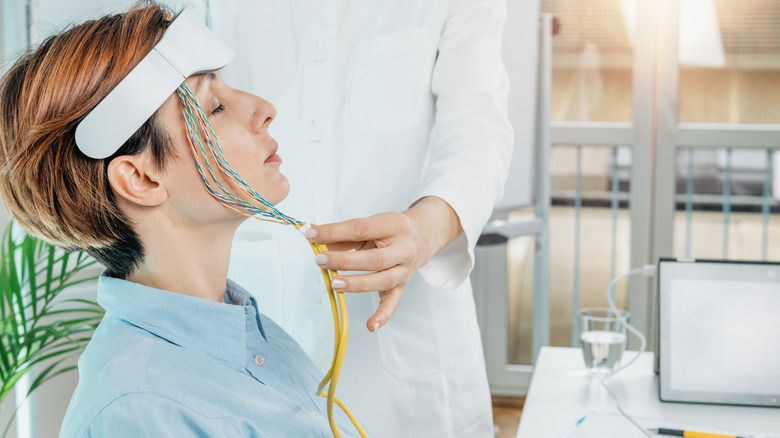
<point x="197" y="122"/>
<point x="195" y="116"/>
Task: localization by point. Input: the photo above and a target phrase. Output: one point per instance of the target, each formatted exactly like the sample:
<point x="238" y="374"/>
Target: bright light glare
<point x="700" y="41"/>
<point x="628" y="10"/>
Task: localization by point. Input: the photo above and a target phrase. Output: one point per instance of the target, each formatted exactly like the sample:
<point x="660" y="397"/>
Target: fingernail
<point x="321" y="260"/>
<point x="376" y="326"/>
<point x="311" y="233"/>
<point x="338" y="284"/>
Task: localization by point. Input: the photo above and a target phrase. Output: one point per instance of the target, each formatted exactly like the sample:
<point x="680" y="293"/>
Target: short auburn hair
<point x="54" y="191"/>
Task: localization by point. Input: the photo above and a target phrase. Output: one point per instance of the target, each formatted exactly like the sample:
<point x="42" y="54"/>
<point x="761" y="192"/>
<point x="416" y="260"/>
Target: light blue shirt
<point x="163" y="364"/>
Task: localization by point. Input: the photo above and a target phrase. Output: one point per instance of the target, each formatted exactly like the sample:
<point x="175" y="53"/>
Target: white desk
<point x="562" y="391"/>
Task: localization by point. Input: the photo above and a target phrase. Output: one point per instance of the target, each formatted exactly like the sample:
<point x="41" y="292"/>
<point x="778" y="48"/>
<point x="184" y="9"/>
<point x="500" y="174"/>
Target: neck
<point x="185" y="258"/>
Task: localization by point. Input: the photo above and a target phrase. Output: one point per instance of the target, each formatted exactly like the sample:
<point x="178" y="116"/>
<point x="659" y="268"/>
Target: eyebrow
<point x="203" y="79"/>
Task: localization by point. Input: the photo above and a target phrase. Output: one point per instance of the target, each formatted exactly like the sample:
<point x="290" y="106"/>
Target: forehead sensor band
<point x="187" y="48"/>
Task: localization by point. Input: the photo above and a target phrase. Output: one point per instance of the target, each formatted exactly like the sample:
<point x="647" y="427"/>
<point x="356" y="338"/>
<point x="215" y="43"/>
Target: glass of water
<point x="602" y="337"/>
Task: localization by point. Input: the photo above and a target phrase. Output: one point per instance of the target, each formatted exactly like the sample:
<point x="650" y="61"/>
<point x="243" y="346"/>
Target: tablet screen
<point x="720" y="332"/>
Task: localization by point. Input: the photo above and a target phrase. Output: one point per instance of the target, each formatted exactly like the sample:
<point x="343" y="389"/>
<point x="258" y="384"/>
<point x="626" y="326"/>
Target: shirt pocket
<point x="391" y="80"/>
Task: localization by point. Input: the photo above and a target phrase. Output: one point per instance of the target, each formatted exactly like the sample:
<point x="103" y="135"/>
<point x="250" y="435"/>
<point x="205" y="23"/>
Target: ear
<point x="134" y="178"/>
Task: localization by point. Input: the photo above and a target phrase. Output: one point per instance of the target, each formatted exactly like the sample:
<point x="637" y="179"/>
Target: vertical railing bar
<point x="615" y="205"/>
<point x="689" y="204"/>
<point x="541" y="300"/>
<point x="727" y="204"/>
<point x="765" y="206"/>
<point x="576" y="286"/>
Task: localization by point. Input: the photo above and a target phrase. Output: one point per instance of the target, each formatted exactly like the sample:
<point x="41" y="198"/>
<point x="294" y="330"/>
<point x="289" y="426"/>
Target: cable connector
<point x="649" y="270"/>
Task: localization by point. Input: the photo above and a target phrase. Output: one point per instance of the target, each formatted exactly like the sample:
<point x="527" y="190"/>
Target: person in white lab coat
<point x="394" y="111"/>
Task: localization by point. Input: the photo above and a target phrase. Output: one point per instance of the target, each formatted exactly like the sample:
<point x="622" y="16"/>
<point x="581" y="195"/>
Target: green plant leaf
<point x="74" y="310"/>
<point x="49" y="270"/>
<point x="38" y="327"/>
<point x="47" y="375"/>
<point x="28" y="263"/>
<point x="9" y="384"/>
<point x="55" y="354"/>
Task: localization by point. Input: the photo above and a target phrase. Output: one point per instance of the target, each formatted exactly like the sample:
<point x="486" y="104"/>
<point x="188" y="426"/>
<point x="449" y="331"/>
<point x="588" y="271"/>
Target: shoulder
<point x="118" y="352"/>
<point x="117" y="348"/>
<point x="120" y="365"/>
<point x="148" y="414"/>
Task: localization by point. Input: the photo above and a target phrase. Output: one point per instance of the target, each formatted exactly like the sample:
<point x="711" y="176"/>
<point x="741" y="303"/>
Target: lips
<point x="272" y="157"/>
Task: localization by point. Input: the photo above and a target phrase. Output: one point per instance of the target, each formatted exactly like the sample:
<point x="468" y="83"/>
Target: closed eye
<point x="218" y="109"/>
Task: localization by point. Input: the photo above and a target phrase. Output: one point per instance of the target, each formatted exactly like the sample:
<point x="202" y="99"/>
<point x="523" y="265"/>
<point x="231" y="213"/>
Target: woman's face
<point x="240" y="122"/>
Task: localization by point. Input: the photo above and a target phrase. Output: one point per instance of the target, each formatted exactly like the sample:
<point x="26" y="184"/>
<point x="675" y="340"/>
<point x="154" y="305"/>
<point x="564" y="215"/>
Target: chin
<point x="280" y="192"/>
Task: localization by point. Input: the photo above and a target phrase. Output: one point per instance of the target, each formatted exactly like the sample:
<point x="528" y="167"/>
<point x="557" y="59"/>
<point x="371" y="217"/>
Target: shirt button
<point x="259" y="360"/>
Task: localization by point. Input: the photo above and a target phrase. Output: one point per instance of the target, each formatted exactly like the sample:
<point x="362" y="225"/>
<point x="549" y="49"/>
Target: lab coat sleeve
<point x="471" y="142"/>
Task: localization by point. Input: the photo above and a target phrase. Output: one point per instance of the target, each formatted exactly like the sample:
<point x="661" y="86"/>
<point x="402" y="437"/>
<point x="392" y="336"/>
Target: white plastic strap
<point x="188" y="47"/>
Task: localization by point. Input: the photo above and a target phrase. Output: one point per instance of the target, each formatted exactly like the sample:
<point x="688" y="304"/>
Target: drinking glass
<point x="602" y="337"/>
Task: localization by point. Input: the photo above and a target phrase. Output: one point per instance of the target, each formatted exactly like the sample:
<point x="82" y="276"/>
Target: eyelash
<point x="218" y="109"/>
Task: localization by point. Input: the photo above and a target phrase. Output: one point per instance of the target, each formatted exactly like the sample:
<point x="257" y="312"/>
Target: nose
<point x="263" y="113"/>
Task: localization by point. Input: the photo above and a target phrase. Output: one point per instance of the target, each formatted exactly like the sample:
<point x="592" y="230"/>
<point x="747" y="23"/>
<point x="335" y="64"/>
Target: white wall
<point x="51" y="16"/>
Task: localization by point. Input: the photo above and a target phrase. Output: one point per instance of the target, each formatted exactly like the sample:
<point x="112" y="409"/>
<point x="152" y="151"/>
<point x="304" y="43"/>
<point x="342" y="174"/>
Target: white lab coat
<point x="379" y="104"/>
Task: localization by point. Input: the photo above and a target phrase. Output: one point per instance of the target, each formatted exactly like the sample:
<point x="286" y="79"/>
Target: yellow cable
<point x="340" y="322"/>
<point x="336" y="323"/>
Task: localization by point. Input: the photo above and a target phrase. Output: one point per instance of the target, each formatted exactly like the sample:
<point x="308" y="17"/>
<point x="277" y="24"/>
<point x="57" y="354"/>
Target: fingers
<point x="388" y="303"/>
<point x="386" y="244"/>
<point x="391" y="281"/>
<point x="382" y="280"/>
<point x="357" y="230"/>
<point x="377" y="259"/>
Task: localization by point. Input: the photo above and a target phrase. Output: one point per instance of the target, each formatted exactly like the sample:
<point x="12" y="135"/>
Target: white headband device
<point x="188" y="47"/>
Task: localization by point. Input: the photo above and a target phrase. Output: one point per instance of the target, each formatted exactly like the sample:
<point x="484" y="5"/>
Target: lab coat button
<point x="324" y="301"/>
<point x="259" y="360"/>
<point x="325" y="42"/>
<point x="321" y="120"/>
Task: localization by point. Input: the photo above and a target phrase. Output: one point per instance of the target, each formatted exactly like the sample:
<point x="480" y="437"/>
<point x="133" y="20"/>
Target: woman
<point x="182" y="351"/>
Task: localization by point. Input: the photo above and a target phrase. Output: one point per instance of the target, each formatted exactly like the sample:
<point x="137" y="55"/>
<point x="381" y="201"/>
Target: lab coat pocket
<point x="391" y="80"/>
<point x="433" y="330"/>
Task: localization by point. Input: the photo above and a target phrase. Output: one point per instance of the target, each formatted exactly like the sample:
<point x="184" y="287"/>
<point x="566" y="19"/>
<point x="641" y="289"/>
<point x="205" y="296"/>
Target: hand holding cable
<point x="391" y="246"/>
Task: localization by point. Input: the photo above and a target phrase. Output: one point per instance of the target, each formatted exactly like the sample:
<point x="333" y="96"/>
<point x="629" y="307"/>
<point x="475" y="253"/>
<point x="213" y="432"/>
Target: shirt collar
<point x="216" y="329"/>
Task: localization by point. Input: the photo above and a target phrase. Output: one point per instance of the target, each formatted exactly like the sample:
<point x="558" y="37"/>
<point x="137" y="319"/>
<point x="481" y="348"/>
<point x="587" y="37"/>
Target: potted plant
<point x="40" y="328"/>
